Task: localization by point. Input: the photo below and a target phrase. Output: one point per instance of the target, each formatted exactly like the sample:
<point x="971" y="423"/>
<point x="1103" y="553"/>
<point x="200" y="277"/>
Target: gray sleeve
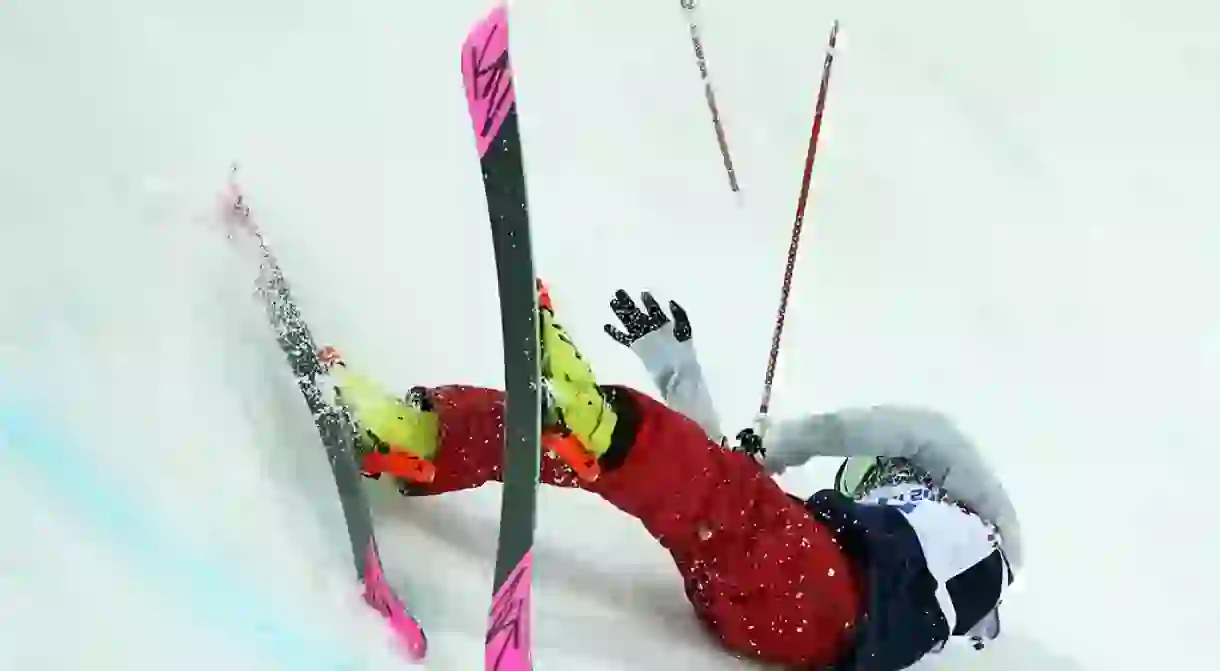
<point x="928" y="439"/>
<point x="879" y="431"/>
<point x="674" y="368"/>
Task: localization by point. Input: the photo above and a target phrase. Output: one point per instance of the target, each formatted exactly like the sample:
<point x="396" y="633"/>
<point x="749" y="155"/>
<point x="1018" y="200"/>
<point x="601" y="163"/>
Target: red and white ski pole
<point x="797" y="226"/>
<point x="697" y="43"/>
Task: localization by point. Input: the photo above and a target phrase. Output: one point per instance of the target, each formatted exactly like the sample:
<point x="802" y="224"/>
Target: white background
<point x="1012" y="221"/>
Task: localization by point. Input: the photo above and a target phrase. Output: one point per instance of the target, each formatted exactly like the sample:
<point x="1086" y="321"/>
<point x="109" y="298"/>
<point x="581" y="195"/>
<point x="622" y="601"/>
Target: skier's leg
<point x="470" y="442"/>
<point x="769" y="580"/>
<point x="764" y="576"/>
<point x="436" y="440"/>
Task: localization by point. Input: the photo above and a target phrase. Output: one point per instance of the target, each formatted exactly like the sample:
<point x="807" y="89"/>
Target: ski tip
<point x="488" y="76"/>
<point x="379" y="595"/>
<point x="234" y="213"/>
<point x="234" y="209"/>
<point x="491" y="28"/>
<point x="510" y="641"/>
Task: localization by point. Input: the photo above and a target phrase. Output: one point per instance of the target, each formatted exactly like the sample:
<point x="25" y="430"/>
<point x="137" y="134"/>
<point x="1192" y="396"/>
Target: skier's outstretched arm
<point x="667" y="349"/>
<point x="878" y="431"/>
<point x="926" y="438"/>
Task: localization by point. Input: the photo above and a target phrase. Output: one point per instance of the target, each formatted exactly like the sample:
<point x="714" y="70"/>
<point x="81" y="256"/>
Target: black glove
<point x="640" y="324"/>
<point x="750" y="443"/>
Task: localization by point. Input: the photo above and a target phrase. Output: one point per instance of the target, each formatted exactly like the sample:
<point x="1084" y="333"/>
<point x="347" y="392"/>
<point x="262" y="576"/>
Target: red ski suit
<point x="765" y="577"/>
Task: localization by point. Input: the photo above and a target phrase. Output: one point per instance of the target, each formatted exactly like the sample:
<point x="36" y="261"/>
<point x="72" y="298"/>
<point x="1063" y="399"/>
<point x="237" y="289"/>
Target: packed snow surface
<point x="1013" y="220"/>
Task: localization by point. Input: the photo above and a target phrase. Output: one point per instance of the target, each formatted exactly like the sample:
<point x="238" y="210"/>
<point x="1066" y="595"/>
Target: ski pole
<point x="697" y="43"/>
<point x="797" y="226"/>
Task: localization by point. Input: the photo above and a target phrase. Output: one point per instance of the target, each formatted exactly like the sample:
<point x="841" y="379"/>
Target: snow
<point x="1012" y="221"/>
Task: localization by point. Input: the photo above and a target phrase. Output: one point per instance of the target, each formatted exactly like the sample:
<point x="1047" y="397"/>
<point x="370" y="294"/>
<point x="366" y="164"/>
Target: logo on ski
<point x="510" y="620"/>
<point x="497" y="82"/>
<point x="489" y="91"/>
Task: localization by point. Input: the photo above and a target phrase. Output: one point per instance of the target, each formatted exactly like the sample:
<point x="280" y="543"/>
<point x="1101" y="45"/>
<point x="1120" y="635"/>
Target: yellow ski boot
<point x="393" y="435"/>
<point x="585" y="421"/>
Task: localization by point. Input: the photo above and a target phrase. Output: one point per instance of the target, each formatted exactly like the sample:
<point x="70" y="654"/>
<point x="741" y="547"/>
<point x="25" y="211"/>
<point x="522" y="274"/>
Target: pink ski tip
<point x="488" y="77"/>
<point x="234" y="211"/>
<point x="379" y="595"/>
<point x="510" y="641"/>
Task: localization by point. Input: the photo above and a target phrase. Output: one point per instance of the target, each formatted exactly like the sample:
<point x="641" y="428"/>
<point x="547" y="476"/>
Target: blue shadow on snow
<point x="230" y="602"/>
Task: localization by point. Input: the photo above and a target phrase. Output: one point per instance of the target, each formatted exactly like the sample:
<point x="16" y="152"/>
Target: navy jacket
<point x="902" y="619"/>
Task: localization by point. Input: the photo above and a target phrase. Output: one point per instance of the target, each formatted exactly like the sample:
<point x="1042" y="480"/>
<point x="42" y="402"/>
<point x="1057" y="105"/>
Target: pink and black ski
<point x="491" y="96"/>
<point x="333" y="424"/>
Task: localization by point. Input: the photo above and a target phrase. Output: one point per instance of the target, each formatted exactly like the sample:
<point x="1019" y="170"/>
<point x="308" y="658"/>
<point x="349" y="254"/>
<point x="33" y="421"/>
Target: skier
<point x="870" y="576"/>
